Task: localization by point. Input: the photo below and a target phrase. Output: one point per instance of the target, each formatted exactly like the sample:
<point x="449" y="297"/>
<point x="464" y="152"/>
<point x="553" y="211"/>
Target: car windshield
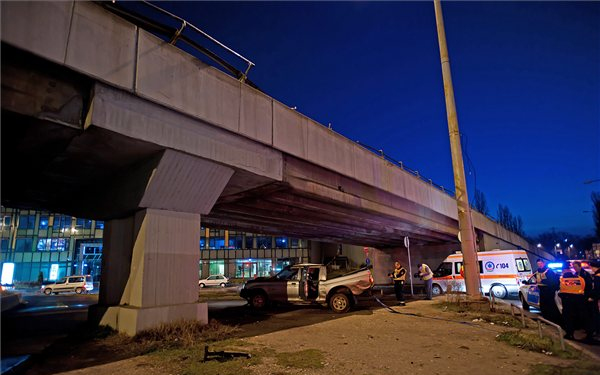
<point x="444" y="269"/>
<point x="287" y="273"/>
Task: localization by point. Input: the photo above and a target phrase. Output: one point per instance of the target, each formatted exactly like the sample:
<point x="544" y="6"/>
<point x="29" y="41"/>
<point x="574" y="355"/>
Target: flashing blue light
<point x="555" y="265"/>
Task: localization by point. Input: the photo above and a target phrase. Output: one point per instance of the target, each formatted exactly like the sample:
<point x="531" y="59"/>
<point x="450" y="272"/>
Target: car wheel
<point x="47" y="291"/>
<point x="222" y="285"/>
<point x="258" y="300"/>
<point x="339" y="303"/>
<point x="79" y="290"/>
<point x="523" y="302"/>
<point x="202" y="285"/>
<point x="499" y="291"/>
<point x="436" y="290"/>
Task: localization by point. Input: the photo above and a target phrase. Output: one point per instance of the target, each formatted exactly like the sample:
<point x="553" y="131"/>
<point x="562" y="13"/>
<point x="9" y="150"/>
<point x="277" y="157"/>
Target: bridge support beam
<point x="150" y="259"/>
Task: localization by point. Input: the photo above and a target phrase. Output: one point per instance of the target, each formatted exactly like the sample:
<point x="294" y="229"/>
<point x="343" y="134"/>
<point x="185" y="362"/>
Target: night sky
<point x="526" y="79"/>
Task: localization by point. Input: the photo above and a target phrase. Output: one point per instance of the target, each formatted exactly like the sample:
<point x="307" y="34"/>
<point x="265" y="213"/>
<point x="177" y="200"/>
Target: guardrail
<point x="174" y="34"/>
<point x="537" y="319"/>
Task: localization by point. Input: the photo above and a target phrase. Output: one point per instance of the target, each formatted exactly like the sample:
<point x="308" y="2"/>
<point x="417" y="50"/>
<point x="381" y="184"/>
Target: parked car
<point x="78" y="284"/>
<point x="214" y="280"/>
<point x="4" y="287"/>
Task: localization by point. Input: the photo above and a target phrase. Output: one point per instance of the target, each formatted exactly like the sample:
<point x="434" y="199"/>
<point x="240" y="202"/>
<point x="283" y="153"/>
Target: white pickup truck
<point x="308" y="283"/>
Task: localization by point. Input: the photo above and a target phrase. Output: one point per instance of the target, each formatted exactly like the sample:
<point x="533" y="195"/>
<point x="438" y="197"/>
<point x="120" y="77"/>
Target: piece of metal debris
<point x="222" y="355"/>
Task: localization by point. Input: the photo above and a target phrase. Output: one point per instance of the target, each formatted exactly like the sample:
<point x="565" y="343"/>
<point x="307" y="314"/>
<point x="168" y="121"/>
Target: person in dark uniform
<point x="398" y="277"/>
<point x="596" y="295"/>
<point x="548" y="283"/>
<point x="587" y="303"/>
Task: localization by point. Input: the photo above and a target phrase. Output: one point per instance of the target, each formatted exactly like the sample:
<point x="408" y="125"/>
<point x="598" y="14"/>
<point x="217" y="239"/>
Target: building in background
<point x="43" y="245"/>
<point x="244" y="255"/>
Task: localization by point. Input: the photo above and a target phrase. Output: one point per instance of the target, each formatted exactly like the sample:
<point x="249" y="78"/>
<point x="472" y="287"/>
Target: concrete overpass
<point x="102" y="119"/>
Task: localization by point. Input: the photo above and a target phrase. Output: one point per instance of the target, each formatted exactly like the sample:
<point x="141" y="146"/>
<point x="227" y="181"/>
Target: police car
<point x="529" y="294"/>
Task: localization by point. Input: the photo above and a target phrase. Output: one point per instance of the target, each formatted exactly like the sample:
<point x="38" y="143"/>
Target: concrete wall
<point x="88" y="39"/>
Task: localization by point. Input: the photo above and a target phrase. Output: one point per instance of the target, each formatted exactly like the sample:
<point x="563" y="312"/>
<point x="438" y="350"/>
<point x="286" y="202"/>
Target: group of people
<point x="398" y="276"/>
<point x="579" y="292"/>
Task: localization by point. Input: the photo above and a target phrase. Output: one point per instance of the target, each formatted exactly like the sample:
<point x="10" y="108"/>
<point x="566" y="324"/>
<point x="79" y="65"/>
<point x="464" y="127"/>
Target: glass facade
<point x="43" y="245"/>
<point x="247" y="255"/>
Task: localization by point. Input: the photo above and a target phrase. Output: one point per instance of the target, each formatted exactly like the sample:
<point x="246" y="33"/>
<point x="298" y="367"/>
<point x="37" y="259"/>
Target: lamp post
<point x="467" y="243"/>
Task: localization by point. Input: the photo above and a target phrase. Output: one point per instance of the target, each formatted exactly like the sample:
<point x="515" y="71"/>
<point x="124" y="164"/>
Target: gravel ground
<point x="421" y="340"/>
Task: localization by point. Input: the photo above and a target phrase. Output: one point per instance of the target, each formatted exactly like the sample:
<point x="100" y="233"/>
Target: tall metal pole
<point x="471" y="269"/>
<point x="407" y="244"/>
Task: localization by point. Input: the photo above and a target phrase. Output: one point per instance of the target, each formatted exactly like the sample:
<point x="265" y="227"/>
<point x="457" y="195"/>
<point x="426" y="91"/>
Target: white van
<point x="501" y="272"/>
<point x="78" y="284"/>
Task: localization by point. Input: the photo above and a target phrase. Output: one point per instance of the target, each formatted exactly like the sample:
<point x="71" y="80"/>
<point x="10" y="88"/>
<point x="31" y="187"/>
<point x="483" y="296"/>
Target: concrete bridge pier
<point x="150" y="258"/>
<point x="161" y="284"/>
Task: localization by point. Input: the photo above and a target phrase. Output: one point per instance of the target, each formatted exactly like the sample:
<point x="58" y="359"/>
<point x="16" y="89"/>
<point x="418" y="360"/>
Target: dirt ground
<point x="420" y="340"/>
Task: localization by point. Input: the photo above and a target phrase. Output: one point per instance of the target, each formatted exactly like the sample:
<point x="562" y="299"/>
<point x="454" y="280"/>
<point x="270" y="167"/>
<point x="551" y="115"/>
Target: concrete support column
<point x="151" y="258"/>
<point x="162" y="281"/>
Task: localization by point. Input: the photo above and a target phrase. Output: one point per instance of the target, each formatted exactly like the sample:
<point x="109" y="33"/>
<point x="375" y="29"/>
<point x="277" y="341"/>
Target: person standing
<point x="399" y="276"/>
<point x="571" y="295"/>
<point x="587" y="304"/>
<point x="426" y="275"/>
<point x="548" y="284"/>
<point x="596" y="294"/>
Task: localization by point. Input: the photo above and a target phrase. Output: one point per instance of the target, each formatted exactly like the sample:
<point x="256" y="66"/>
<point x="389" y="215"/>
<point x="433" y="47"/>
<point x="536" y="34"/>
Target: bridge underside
<point x="47" y="165"/>
<point x="92" y="173"/>
<point x="50" y="162"/>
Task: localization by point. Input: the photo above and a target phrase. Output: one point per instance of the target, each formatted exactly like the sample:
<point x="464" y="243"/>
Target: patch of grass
<point x="185" y="333"/>
<point x="189" y="361"/>
<point x="581" y="368"/>
<point x="481" y="311"/>
<point x="534" y="343"/>
<point x="309" y="358"/>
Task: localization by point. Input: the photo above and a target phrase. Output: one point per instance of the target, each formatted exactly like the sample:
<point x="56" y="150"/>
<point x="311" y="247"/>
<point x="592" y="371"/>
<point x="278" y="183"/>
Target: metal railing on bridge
<point x="141" y="14"/>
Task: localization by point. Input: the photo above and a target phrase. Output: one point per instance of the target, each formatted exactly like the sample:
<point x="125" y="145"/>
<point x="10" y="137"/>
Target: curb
<point x="10" y="301"/>
<point x="584" y="350"/>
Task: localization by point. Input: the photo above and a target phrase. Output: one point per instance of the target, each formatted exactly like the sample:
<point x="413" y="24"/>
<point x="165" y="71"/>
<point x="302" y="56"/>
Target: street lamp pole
<point x="465" y="224"/>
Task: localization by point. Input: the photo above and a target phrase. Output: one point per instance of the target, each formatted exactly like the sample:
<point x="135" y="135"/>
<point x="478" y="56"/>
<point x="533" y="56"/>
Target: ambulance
<point x="501" y="272"/>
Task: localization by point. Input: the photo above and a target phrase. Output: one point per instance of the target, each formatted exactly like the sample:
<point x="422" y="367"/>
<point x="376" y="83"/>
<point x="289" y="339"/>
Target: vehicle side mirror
<point x="525" y="282"/>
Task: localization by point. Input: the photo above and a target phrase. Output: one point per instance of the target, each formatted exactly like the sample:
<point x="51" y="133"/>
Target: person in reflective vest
<point x="548" y="284"/>
<point x="398" y="277"/>
<point x="571" y="294"/>
<point x="426" y="275"/>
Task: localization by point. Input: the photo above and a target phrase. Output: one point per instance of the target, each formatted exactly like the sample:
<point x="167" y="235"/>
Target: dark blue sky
<point x="526" y="79"/>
